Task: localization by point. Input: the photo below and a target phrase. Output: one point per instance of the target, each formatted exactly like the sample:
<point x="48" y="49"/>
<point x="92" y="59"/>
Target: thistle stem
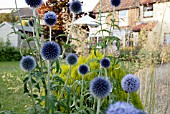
<point x="98" y="105"/>
<point x="81" y="97"/>
<point x="106" y="73"/>
<point x="35" y="27"/>
<point x="68" y="37"/>
<point x="68" y="76"/>
<point x="50" y="33"/>
<point x="128" y="98"/>
<point x="31" y="90"/>
<point x="48" y="85"/>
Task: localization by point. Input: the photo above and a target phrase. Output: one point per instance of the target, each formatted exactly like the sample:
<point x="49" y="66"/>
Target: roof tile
<point x="145" y="26"/>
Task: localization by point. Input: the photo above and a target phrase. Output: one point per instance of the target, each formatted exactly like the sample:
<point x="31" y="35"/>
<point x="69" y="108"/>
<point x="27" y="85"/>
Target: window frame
<point x="165" y="39"/>
<point x="123" y="19"/>
<point x="149" y="8"/>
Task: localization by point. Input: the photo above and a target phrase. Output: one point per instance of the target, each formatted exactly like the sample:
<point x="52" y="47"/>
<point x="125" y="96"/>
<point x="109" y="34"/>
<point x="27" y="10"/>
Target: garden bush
<point x="10" y="53"/>
<point x="115" y="74"/>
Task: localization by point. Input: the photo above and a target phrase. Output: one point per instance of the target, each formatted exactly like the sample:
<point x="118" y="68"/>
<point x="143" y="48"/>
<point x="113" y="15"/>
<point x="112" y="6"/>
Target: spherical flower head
<point x="28" y="63"/>
<point x="71" y="59"/>
<point x="130" y="83"/>
<point x="34" y="3"/>
<point x="50" y="50"/>
<point x="140" y="112"/>
<point x="115" y="3"/>
<point x="100" y="87"/>
<point x="120" y="108"/>
<point x="75" y="7"/>
<point x="105" y="63"/>
<point x="31" y="22"/>
<point x="83" y="69"/>
<point x="50" y="18"/>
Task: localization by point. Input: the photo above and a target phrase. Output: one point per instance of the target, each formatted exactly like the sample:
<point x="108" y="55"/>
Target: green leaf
<point x="103" y="30"/>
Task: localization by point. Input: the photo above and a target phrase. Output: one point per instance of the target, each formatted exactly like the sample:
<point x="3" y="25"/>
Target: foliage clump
<point x="114" y="73"/>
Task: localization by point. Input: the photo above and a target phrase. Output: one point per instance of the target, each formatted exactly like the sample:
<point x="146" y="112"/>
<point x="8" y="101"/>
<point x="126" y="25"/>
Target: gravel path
<point x="162" y="87"/>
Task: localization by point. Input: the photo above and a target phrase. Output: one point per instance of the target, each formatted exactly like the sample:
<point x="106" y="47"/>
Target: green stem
<point x="31" y="90"/>
<point x="68" y="76"/>
<point x="98" y="105"/>
<point x="81" y="97"/>
<point x="50" y="33"/>
<point x="68" y="37"/>
<point x="106" y="73"/>
<point x="128" y="98"/>
<point x="20" y="20"/>
<point x="94" y="104"/>
<point x="35" y="29"/>
<point x="48" y="85"/>
<point x="100" y="13"/>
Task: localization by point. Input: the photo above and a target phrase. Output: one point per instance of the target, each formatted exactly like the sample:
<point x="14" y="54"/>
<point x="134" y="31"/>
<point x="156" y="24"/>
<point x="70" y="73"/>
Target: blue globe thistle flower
<point x="75" y="7"/>
<point x="31" y="22"/>
<point x="34" y="3"/>
<point x="50" y="50"/>
<point x="83" y="69"/>
<point x="28" y="63"/>
<point x="115" y="2"/>
<point x="100" y="87"/>
<point x="120" y="108"/>
<point x="140" y="112"/>
<point x="130" y="83"/>
<point x="105" y="63"/>
<point x="71" y="59"/>
<point x="50" y="18"/>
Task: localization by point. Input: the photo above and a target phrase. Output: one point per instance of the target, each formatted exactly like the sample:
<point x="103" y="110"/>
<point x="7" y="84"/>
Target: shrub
<point x="115" y="74"/>
<point x="11" y="53"/>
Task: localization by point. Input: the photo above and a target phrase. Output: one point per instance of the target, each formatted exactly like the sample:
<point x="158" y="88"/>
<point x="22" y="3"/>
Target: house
<point x="136" y="15"/>
<point x="25" y="13"/>
<point x="15" y="39"/>
<point x="154" y="17"/>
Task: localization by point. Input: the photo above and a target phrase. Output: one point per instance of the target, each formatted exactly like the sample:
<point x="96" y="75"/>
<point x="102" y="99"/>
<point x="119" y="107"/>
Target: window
<point x="148" y="11"/>
<point x="123" y="18"/>
<point x="167" y="39"/>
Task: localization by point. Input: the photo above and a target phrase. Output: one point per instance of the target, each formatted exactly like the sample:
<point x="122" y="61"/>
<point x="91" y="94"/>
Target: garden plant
<point x="60" y="82"/>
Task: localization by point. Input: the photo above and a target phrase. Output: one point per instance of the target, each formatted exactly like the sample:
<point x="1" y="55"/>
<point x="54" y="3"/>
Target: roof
<point x="86" y="20"/>
<point x="145" y="26"/>
<point x="26" y="28"/>
<point x="24" y="12"/>
<point x="151" y="1"/>
<point x="125" y="4"/>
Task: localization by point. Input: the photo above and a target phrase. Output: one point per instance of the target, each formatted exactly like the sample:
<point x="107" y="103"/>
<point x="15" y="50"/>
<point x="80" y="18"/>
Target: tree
<point x="60" y="7"/>
<point x="7" y="17"/>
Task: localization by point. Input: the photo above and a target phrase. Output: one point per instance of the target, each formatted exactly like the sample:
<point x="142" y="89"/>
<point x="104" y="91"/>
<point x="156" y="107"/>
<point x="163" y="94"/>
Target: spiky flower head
<point x="31" y="22"/>
<point x="75" y="7"/>
<point x="83" y="69"/>
<point x="50" y="18"/>
<point x="120" y="108"/>
<point x="27" y="63"/>
<point x="50" y="50"/>
<point x="130" y="83"/>
<point x="105" y="63"/>
<point x="140" y="112"/>
<point x="34" y="3"/>
<point x="71" y="59"/>
<point x="115" y="3"/>
<point x="100" y="87"/>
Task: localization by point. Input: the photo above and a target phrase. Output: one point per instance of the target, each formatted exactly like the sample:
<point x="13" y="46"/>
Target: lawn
<point x="12" y="97"/>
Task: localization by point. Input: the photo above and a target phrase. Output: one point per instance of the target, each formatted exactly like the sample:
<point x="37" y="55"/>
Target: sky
<point x="87" y="4"/>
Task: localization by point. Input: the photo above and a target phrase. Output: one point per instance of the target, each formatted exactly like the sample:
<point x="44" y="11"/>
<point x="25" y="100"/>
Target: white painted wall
<point x="161" y="14"/>
<point x="5" y="29"/>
